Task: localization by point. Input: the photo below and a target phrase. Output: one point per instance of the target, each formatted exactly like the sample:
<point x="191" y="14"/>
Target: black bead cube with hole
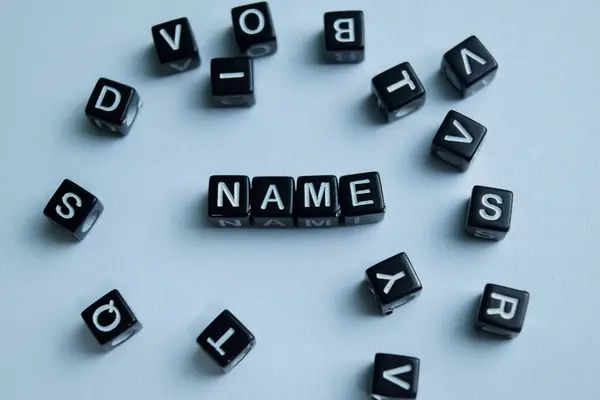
<point x="317" y="201"/>
<point x="111" y="320"/>
<point x="458" y="140"/>
<point x="395" y="377"/>
<point x="272" y="201"/>
<point x="73" y="209"/>
<point x="469" y="66"/>
<point x="361" y="199"/>
<point x="489" y="213"/>
<point x="229" y="201"/>
<point x="502" y="310"/>
<point x="398" y="91"/>
<point x="253" y="29"/>
<point x="176" y="46"/>
<point x="232" y="81"/>
<point x="113" y="106"/>
<point x="393" y="282"/>
<point x="226" y="341"/>
<point x="344" y="33"/>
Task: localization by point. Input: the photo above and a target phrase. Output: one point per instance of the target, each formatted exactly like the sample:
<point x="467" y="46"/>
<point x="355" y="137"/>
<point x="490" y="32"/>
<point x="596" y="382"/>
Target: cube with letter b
<point x="361" y="199"/>
<point x="317" y="201"/>
<point x="344" y="36"/>
<point x="229" y="201"/>
<point x="176" y="46"/>
<point x="113" y="106"/>
<point x="489" y="213"/>
<point x="253" y="29"/>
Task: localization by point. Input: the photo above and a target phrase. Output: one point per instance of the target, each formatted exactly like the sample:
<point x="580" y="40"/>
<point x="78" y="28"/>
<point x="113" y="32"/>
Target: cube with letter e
<point x="361" y="199"/>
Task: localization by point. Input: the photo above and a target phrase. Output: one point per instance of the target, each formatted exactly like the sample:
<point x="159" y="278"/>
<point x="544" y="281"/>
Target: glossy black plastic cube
<point x="398" y="91"/>
<point x="395" y="377"/>
<point x="226" y="341"/>
<point x="73" y="209"/>
<point x="317" y="201"/>
<point x="361" y="199"/>
<point x="232" y="81"/>
<point x="176" y="46"/>
<point x="229" y="201"/>
<point x="344" y="33"/>
<point x="111" y="320"/>
<point x="458" y="140"/>
<point x="502" y="310"/>
<point x="469" y="66"/>
<point x="489" y="213"/>
<point x="113" y="106"/>
<point x="393" y="282"/>
<point x="253" y="29"/>
<point x="272" y="201"/>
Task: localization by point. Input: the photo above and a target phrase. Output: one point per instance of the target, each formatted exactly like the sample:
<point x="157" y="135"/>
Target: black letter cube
<point x="458" y="140"/>
<point x="361" y="199"/>
<point x="74" y="209"/>
<point x="489" y="213"/>
<point x="226" y="341"/>
<point x="253" y="29"/>
<point x="344" y="36"/>
<point x="229" y="201"/>
<point x="393" y="282"/>
<point x="113" y="106"/>
<point x="317" y="201"/>
<point x="272" y="201"/>
<point x="110" y="320"/>
<point x="232" y="81"/>
<point x="469" y="66"/>
<point x="502" y="310"/>
<point x="395" y="377"/>
<point x="399" y="91"/>
<point x="176" y="46"/>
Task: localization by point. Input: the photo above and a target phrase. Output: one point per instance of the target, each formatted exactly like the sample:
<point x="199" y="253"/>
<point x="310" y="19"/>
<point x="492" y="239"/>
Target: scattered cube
<point x="232" y="81"/>
<point x="229" y="201"/>
<point x="489" y="213"/>
<point x="393" y="282"/>
<point x="176" y="46"/>
<point x="361" y="199"/>
<point x="272" y="201"/>
<point x="74" y="209"/>
<point x="469" y="66"/>
<point x="254" y="30"/>
<point x="113" y="106"/>
<point x="317" y="201"/>
<point x="110" y="320"/>
<point x="398" y="91"/>
<point x="395" y="377"/>
<point x="226" y="341"/>
<point x="344" y="36"/>
<point x="502" y="310"/>
<point x="458" y="140"/>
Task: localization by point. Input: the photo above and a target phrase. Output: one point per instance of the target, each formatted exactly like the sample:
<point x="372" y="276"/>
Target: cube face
<point x="502" y="310"/>
<point x="344" y="33"/>
<point x="361" y="198"/>
<point x="175" y="46"/>
<point x="113" y="106"/>
<point x="395" y="377"/>
<point x="399" y="91"/>
<point x="226" y="340"/>
<point x="393" y="282"/>
<point x="469" y="66"/>
<point x="317" y="201"/>
<point x="229" y="201"/>
<point x="489" y="213"/>
<point x="232" y="81"/>
<point x="458" y="140"/>
<point x="110" y="320"/>
<point x="254" y="30"/>
<point x="272" y="201"/>
<point x="74" y="209"/>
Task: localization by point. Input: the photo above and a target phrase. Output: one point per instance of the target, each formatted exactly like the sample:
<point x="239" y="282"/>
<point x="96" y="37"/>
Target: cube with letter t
<point x="361" y="199"/>
<point x="113" y="106"/>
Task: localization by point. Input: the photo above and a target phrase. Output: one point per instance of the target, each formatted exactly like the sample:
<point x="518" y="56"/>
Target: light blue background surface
<point x="299" y="291"/>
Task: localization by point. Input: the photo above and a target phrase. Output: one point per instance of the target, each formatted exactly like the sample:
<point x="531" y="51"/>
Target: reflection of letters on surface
<point x="505" y="301"/>
<point x="110" y="307"/>
<point x="217" y="345"/>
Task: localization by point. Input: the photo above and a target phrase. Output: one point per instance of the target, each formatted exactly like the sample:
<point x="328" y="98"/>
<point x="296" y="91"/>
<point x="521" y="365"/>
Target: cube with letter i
<point x="229" y="201"/>
<point x="176" y="46"/>
<point x="502" y="310"/>
<point x="344" y="33"/>
<point x="361" y="199"/>
<point x="232" y="81"/>
<point x="113" y="106"/>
